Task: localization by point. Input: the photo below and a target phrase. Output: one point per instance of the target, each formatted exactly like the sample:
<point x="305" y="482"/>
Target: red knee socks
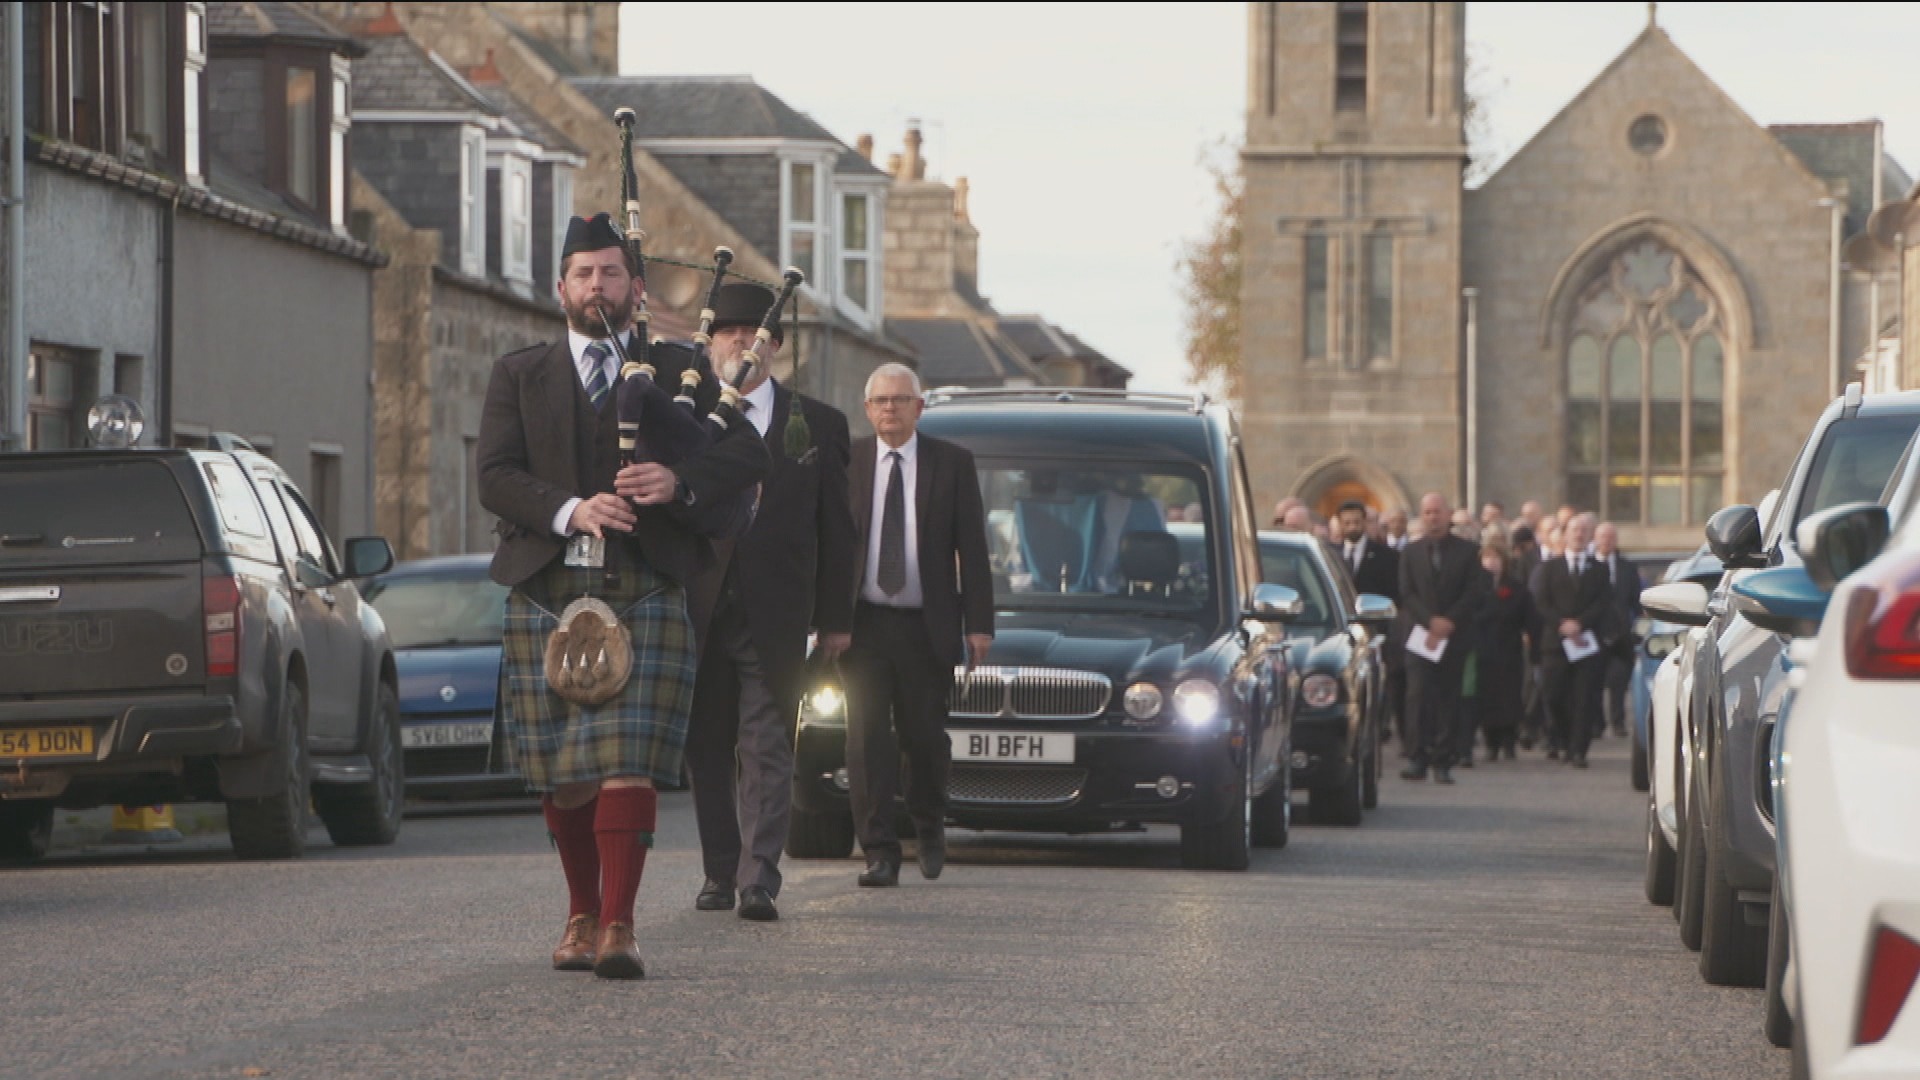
<point x="572" y="832"/>
<point x="623" y="824"/>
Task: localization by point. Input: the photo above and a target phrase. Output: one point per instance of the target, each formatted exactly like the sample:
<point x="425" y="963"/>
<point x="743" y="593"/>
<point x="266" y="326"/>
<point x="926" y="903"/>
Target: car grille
<point x="1026" y="693"/>
<point x="446" y="761"/>
<point x="1014" y="785"/>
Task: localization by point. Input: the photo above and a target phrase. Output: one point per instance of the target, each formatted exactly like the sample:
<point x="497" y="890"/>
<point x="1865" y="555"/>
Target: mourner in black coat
<point x="1574" y="599"/>
<point x="1507" y="622"/>
<point x="1623" y="584"/>
<point x="1442" y="589"/>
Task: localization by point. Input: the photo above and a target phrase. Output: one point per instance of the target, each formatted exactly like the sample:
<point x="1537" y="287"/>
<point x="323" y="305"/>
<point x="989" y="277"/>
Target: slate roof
<point x="1041" y="340"/>
<point x="711" y="107"/>
<point x="531" y="124"/>
<point x="1846" y="152"/>
<point x="961" y="352"/>
<point x="267" y="19"/>
<point x="742" y="188"/>
<point x="398" y="72"/>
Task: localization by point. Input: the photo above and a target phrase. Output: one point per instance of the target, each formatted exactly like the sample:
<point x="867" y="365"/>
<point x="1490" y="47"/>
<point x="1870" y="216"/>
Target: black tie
<point x="892" y="573"/>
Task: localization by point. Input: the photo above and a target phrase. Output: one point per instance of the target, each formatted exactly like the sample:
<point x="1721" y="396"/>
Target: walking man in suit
<point x="793" y="570"/>
<point x="1576" y="603"/>
<point x="577" y="523"/>
<point x="923" y="580"/>
<point x="1442" y="587"/>
<point x="1376" y="569"/>
<point x="1623" y="584"/>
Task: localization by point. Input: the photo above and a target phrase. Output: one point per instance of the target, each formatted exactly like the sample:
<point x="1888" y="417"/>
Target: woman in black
<point x="1508" y="620"/>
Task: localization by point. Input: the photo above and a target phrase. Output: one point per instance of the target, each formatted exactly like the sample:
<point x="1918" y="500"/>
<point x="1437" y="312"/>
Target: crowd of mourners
<point x="1545" y="655"/>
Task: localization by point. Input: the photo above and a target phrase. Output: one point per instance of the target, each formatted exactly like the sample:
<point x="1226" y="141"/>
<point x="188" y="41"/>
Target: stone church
<point x="1639" y="313"/>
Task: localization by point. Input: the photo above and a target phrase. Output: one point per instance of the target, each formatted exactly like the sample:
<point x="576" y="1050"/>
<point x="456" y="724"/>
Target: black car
<point x="1338" y="675"/>
<point x="175" y="626"/>
<point x="446" y="618"/>
<point x="1129" y="682"/>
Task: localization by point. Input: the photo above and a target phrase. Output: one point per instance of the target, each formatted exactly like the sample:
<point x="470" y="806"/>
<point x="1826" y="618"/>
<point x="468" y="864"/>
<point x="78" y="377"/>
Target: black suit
<point x="542" y="443"/>
<point x="1440" y="576"/>
<point x="1379" y="570"/>
<point x="1624" y="588"/>
<point x="900" y="668"/>
<point x="791" y="572"/>
<point x="1573" y="688"/>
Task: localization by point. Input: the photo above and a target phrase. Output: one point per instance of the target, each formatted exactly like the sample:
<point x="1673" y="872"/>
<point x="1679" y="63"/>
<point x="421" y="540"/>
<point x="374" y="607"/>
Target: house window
<point x="516" y="219"/>
<point x="1380" y="297"/>
<point x="341" y="127"/>
<point x="129" y="375"/>
<point x="803" y="218"/>
<point x="147" y="83"/>
<point x="323" y="483"/>
<point x="50" y="398"/>
<point x="562" y="213"/>
<point x="1350" y="58"/>
<point x="196" y="66"/>
<point x="473" y="202"/>
<point x="1315" y="317"/>
<point x="303" y="90"/>
<point x="856" y="250"/>
<point x="1646" y="378"/>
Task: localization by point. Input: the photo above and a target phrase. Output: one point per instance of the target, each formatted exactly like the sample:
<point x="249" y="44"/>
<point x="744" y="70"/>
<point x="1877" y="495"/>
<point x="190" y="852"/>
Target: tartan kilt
<point x="642" y="731"/>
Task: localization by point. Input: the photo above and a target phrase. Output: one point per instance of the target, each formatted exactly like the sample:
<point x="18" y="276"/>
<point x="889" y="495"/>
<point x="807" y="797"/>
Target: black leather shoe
<point x="932" y="856"/>
<point x="1442" y="774"/>
<point x="714" y="897"/>
<point x="756" y="903"/>
<point x="880" y="874"/>
<point x="1414" y="772"/>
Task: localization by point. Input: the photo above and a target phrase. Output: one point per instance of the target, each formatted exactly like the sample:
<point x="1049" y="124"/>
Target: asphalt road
<point x="1491" y="929"/>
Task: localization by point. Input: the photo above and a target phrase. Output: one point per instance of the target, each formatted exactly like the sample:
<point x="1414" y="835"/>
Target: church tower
<point x="1351" y="307"/>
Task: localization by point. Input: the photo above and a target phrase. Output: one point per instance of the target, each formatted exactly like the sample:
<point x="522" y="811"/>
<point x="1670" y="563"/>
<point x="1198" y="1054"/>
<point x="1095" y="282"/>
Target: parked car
<point x="1657" y="639"/>
<point x="1153" y="685"/>
<point x="1844" y="934"/>
<point x="446" y="617"/>
<point x="175" y="626"/>
<point x="1338" y="678"/>
<point x="1739" y="668"/>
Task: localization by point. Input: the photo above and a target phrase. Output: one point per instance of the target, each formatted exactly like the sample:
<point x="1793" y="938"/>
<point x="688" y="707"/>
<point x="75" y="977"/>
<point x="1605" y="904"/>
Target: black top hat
<point x="743" y="303"/>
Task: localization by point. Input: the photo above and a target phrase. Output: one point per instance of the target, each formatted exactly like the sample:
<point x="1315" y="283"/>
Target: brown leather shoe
<point x="576" y="947"/>
<point x="619" y="957"/>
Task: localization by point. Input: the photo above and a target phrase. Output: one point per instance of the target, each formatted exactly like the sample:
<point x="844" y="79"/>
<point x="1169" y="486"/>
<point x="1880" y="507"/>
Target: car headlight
<point x="1143" y="701"/>
<point x="826" y="706"/>
<point x="1197" y="703"/>
<point x="1319" y="691"/>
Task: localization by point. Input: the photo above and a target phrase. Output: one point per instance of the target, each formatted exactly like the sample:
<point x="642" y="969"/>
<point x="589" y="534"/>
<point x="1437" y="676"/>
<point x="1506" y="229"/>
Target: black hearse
<point x="1130" y="682"/>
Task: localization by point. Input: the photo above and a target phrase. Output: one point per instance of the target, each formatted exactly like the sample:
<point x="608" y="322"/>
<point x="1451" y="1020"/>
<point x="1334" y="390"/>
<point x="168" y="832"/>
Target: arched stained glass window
<point x="1645" y="380"/>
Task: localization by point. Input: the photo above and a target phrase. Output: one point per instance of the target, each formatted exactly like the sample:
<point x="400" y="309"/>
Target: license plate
<point x="1013" y="747"/>
<point x="46" y="742"/>
<point x="415" y="736"/>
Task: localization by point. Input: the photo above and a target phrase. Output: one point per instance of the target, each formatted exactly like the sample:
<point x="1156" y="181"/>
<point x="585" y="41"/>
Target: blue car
<point x="445" y="617"/>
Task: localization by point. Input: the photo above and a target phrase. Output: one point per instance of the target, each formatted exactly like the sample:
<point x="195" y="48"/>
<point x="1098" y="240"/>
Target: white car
<point x="1849" y="788"/>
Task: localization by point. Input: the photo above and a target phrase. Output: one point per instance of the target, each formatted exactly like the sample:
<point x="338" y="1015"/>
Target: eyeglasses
<point x="897" y="401"/>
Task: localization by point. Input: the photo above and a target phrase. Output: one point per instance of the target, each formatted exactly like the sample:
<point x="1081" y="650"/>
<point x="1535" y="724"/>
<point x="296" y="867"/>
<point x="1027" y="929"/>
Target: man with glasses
<point x="923" y="579"/>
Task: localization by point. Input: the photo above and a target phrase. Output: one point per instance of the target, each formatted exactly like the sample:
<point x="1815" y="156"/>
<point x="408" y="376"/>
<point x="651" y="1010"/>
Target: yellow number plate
<point x="46" y="742"/>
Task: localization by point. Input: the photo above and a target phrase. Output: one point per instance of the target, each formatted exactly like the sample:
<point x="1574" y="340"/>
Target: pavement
<point x="1492" y="929"/>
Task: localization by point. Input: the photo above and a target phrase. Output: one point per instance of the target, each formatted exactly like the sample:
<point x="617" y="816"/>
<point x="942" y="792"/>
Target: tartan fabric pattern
<point x="643" y="731"/>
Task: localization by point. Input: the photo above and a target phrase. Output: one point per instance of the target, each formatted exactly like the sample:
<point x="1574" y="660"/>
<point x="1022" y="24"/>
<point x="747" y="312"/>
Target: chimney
<point x="864" y="144"/>
<point x="387" y="24"/>
<point x="912" y="163"/>
<point x="960" y="200"/>
<point x="893" y="166"/>
<point x="485" y="72"/>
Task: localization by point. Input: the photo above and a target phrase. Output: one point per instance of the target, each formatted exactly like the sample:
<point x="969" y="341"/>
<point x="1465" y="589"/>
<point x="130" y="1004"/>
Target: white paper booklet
<point x="1425" y="646"/>
<point x="1580" y="647"/>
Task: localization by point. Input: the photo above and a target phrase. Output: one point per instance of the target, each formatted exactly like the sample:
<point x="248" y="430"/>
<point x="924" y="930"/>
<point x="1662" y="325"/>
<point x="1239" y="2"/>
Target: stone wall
<point x="587" y="33"/>
<point x="918" y="250"/>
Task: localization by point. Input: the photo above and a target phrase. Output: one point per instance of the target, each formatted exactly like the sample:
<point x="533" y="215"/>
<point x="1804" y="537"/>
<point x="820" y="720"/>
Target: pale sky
<point x="1080" y="127"/>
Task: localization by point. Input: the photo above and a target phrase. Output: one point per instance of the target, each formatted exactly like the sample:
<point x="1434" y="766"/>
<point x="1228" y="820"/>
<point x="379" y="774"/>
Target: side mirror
<point x="1274" y="603"/>
<point x="1680" y="602"/>
<point x="1784" y="600"/>
<point x="1841" y="539"/>
<point x="368" y="555"/>
<point x="1734" y="536"/>
<point x="1374" y="610"/>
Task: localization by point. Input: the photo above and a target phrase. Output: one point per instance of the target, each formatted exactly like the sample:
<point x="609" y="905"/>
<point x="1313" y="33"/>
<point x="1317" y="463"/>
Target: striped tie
<point x="597" y="385"/>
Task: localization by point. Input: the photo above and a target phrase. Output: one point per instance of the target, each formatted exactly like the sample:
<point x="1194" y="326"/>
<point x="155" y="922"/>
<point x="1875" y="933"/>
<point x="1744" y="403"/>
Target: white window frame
<point x="869" y="314"/>
<point x="192" y="155"/>
<point x="473" y="201"/>
<point x="337" y="136"/>
<point x="562" y="213"/>
<point x="516" y="214"/>
<point x="826" y="249"/>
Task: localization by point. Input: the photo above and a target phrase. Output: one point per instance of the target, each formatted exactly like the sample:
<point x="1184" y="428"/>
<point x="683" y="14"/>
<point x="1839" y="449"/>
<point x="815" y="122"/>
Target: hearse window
<point x="1098" y="536"/>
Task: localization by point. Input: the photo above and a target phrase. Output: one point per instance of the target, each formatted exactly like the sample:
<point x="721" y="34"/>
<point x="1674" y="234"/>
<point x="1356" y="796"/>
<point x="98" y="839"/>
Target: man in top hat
<point x="574" y="524"/>
<point x="791" y="572"/>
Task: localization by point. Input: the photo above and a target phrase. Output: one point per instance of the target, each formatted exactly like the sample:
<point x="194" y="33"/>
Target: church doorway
<point x="1332" y="483"/>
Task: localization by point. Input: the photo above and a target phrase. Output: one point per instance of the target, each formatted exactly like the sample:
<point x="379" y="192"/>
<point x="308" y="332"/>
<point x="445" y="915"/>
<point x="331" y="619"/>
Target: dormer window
<point x="803" y="217"/>
<point x="308" y="128"/>
<point x="473" y="201"/>
<point x="856" y="250"/>
<point x="341" y="126"/>
<point x="516" y="219"/>
<point x="122" y="79"/>
<point x="303" y="127"/>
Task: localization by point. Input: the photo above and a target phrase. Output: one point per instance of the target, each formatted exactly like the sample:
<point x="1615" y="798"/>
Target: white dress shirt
<point x="870" y="591"/>
<point x="762" y="401"/>
<point x="583" y="367"/>
<point x="1355" y="551"/>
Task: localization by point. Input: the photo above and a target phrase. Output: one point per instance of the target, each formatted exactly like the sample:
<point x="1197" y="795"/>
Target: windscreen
<point x="78" y="512"/>
<point x="1283" y="564"/>
<point x="1099" y="536"/>
<point x="423" y="612"/>
<point x="1855" y="461"/>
